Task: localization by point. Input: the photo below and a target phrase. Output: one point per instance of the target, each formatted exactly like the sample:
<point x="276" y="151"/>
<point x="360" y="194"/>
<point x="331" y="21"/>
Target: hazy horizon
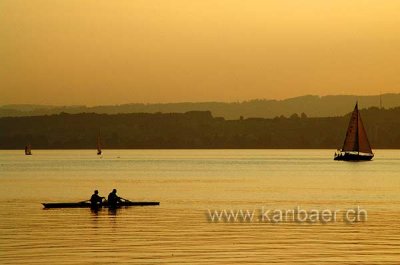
<point x="101" y="52"/>
<point x="199" y="102"/>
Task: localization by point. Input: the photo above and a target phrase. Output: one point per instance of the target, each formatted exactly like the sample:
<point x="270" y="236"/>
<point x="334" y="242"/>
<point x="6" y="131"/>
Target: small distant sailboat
<point x="356" y="146"/>
<point x="99" y="152"/>
<point x="28" y="150"/>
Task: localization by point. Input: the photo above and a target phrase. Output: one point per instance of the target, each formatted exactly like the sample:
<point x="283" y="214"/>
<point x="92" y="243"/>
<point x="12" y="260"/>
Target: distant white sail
<point x="98" y="146"/>
<point x="28" y="150"/>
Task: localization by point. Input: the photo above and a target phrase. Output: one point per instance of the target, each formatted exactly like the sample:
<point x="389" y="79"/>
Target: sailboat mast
<point x="357" y="141"/>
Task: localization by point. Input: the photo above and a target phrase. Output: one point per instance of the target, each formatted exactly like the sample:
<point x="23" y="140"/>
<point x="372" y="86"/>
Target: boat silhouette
<point x="356" y="146"/>
<point x="99" y="151"/>
<point x="28" y="150"/>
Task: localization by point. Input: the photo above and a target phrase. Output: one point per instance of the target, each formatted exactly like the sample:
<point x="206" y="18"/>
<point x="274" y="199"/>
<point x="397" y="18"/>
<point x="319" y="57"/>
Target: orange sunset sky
<point x="110" y="52"/>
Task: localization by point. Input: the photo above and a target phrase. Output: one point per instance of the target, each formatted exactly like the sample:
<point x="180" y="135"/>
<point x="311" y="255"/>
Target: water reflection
<point x="187" y="183"/>
<point x="100" y="211"/>
<point x="113" y="211"/>
<point x="95" y="211"/>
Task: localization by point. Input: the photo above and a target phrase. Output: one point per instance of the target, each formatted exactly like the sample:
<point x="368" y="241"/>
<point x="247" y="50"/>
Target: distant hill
<point x="195" y="129"/>
<point x="312" y="106"/>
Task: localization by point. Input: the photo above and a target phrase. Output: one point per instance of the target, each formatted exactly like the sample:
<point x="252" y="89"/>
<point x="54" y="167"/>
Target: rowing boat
<point x="88" y="205"/>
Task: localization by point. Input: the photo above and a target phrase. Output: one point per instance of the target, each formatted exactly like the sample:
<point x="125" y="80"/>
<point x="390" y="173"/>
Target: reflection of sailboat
<point x="99" y="152"/>
<point x="356" y="145"/>
<point x="28" y="151"/>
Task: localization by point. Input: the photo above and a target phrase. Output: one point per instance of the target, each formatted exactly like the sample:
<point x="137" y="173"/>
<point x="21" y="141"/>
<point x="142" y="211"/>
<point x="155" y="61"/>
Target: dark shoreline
<point x="193" y="130"/>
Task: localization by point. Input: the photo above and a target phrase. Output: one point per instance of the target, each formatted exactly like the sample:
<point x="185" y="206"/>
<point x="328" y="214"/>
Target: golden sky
<point x="109" y="52"/>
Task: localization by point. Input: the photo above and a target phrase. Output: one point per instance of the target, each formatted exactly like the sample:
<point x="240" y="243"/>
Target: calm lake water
<point x="188" y="183"/>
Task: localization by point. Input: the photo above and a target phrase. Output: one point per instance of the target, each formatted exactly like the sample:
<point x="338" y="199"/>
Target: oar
<point x="84" y="201"/>
<point x="125" y="199"/>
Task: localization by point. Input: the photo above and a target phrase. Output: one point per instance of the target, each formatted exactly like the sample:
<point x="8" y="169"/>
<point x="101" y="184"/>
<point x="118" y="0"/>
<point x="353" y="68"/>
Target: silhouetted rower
<point x="96" y="200"/>
<point x="113" y="199"/>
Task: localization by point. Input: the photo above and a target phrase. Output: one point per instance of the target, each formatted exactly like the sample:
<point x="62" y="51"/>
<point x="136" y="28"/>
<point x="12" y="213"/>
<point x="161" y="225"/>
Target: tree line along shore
<point x="314" y="106"/>
<point x="193" y="129"/>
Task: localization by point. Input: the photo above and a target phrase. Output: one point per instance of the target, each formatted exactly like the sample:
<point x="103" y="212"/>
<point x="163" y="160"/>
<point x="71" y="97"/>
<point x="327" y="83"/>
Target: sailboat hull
<point x="353" y="157"/>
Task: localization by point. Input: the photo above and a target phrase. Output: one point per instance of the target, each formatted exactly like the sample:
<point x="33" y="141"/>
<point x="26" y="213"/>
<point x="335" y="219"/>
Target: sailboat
<point x="99" y="152"/>
<point x="28" y="151"/>
<point x="356" y="146"/>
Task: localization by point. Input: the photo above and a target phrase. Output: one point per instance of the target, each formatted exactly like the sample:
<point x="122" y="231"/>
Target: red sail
<point x="351" y="141"/>
<point x="363" y="143"/>
<point x="356" y="137"/>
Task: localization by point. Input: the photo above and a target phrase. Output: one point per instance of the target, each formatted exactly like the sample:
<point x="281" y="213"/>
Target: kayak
<point x="88" y="205"/>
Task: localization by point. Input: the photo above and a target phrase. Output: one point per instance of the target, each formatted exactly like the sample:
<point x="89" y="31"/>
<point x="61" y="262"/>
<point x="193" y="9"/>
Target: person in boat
<point x="113" y="199"/>
<point x="96" y="200"/>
